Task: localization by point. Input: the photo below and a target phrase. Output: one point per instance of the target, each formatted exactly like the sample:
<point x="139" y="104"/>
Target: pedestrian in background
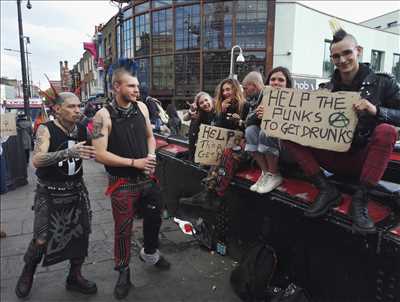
<point x="25" y="127"/>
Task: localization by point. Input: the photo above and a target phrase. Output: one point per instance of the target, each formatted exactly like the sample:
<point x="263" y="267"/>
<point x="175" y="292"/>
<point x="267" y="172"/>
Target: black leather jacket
<point x="379" y="89"/>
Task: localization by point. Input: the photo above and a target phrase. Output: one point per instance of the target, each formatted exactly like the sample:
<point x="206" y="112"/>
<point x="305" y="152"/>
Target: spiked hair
<point x="339" y="33"/>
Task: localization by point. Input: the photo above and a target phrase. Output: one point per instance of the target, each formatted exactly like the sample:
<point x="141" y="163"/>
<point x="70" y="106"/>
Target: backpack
<point x="251" y="279"/>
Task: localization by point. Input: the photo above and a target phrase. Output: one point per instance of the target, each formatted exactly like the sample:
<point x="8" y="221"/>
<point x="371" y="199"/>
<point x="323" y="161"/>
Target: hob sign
<point x="320" y="119"/>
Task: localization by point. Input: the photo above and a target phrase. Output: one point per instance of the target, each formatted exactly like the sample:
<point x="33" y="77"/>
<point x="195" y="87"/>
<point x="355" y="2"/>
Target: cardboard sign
<point x="319" y="119"/>
<point x="8" y="124"/>
<point x="211" y="143"/>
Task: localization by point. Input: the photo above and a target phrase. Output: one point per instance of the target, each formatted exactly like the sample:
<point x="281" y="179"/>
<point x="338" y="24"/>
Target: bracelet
<point x="132" y="163"/>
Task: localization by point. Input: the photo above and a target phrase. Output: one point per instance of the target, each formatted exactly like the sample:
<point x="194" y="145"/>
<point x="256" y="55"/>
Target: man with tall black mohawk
<point x="62" y="209"/>
<point x="378" y="112"/>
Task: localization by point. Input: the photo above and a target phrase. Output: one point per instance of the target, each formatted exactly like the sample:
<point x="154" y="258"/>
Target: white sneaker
<point x="272" y="182"/>
<point x="255" y="186"/>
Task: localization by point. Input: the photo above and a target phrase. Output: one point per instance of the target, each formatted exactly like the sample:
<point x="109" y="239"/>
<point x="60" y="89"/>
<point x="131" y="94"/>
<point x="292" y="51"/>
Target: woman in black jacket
<point x="202" y="111"/>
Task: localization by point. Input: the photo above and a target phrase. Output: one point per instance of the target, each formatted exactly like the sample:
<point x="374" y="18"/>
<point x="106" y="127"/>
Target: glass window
<point x="140" y="8"/>
<point x="376" y="60"/>
<point x="128" y="13"/>
<point x="218" y="25"/>
<point x="251" y="23"/>
<point x="216" y="68"/>
<point x="117" y="37"/>
<point x="396" y="66"/>
<point x="187" y="24"/>
<point x="187" y="74"/>
<point x="161" y="3"/>
<point x="163" y="73"/>
<point x="162" y="35"/>
<point x="254" y="61"/>
<point x="143" y="75"/>
<point x="128" y="39"/>
<point x="327" y="66"/>
<point x="183" y="1"/>
<point x="142" y="35"/>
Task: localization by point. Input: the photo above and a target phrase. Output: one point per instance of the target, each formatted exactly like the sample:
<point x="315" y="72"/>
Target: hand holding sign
<point x="260" y="111"/>
<point x="319" y="119"/>
<point x="365" y="105"/>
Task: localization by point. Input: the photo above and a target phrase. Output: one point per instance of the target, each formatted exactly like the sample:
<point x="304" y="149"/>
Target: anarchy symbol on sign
<point x="338" y="120"/>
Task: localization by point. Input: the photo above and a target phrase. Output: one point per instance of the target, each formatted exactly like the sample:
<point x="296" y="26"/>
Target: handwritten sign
<point x="8" y="124"/>
<point x="211" y="143"/>
<point x="319" y="119"/>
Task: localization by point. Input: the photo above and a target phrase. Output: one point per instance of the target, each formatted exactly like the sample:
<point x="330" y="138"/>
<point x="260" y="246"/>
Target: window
<point x="376" y="60"/>
<point x="161" y="3"/>
<point x="163" y="73"/>
<point x="378" y="27"/>
<point x="143" y="75"/>
<point x="118" y="35"/>
<point x="254" y="61"/>
<point x="140" y="8"/>
<point x="187" y="27"/>
<point x="392" y="24"/>
<point x="327" y="66"/>
<point x="127" y="13"/>
<point x="187" y="72"/>
<point x="218" y="25"/>
<point x="128" y="39"/>
<point x="216" y="68"/>
<point x="251" y="23"/>
<point x="396" y="66"/>
<point x="162" y="35"/>
<point x="142" y="35"/>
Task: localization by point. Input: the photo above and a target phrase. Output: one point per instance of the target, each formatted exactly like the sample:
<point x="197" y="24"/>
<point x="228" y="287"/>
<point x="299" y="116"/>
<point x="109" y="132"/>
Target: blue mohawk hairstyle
<point x="129" y="65"/>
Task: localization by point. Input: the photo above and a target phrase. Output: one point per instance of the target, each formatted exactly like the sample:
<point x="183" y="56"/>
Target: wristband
<point x="132" y="163"/>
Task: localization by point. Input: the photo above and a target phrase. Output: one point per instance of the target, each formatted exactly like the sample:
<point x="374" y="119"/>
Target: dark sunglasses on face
<point x="345" y="53"/>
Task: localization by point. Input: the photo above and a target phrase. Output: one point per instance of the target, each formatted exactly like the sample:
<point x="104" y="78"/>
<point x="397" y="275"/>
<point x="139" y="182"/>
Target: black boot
<point x="25" y="281"/>
<point x="359" y="211"/>
<point x="196" y="200"/>
<point x="124" y="284"/>
<point x="327" y="197"/>
<point x="76" y="282"/>
<point x="32" y="258"/>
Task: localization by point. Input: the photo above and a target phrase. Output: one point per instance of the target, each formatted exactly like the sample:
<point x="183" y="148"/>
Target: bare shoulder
<point x="102" y="116"/>
<point x="43" y="131"/>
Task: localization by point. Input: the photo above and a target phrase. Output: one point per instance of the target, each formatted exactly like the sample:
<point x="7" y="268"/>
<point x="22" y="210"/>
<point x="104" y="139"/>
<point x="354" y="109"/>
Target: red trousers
<point x="368" y="164"/>
<point x="124" y="205"/>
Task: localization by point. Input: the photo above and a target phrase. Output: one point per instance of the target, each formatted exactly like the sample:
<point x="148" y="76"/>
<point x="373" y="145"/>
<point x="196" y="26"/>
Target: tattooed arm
<point x="101" y="131"/>
<point x="41" y="156"/>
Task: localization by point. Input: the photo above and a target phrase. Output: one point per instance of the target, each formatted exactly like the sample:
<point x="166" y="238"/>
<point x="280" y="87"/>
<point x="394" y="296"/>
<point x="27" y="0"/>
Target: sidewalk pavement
<point x="195" y="275"/>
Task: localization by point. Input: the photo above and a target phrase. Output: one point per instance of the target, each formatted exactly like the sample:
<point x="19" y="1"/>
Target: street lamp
<point x="23" y="62"/>
<point x="239" y="59"/>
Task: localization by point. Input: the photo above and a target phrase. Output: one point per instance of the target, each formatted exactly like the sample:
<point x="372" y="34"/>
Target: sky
<point x="57" y="30"/>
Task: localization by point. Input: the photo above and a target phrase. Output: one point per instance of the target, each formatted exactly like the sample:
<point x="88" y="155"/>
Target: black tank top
<point x="127" y="138"/>
<point x="68" y="169"/>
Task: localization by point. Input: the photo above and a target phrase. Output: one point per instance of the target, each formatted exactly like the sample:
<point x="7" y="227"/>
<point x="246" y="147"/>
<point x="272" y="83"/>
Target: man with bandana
<point x="62" y="210"/>
<point x="125" y="144"/>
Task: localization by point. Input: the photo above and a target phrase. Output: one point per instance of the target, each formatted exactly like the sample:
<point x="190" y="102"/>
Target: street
<point x="195" y="275"/>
